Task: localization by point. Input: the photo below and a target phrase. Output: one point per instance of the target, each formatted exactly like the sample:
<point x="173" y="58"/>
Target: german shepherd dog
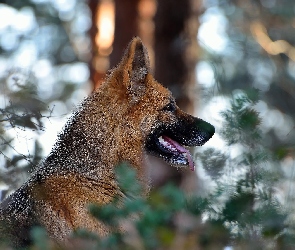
<point x="128" y="116"/>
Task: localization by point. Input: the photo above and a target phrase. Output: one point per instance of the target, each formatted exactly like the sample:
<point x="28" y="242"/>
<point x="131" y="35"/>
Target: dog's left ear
<point x="135" y="67"/>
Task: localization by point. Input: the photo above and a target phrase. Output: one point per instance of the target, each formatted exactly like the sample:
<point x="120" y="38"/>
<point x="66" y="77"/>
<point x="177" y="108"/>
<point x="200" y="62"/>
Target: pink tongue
<point x="181" y="149"/>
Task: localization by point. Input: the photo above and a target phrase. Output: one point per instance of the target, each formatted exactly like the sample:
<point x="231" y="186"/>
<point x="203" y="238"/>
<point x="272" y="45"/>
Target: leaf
<point x="238" y="206"/>
<point x="213" y="162"/>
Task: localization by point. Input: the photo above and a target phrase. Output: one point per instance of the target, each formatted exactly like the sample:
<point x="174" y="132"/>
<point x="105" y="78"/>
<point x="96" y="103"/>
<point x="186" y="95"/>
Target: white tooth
<point x="166" y="144"/>
<point x="162" y="141"/>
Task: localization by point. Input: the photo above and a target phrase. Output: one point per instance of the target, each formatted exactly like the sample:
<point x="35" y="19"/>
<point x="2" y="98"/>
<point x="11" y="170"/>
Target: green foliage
<point x="251" y="210"/>
<point x="22" y="110"/>
<point x="241" y="117"/>
<point x="213" y="162"/>
<point x="40" y="239"/>
<point x="149" y="217"/>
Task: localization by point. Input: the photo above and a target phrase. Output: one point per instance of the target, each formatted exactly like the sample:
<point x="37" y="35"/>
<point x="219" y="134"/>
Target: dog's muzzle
<point x="168" y="142"/>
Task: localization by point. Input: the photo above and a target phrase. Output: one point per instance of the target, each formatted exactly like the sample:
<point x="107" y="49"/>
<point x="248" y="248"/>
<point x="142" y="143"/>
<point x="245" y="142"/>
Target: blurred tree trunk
<point x="97" y="72"/>
<point x="95" y="75"/>
<point x="176" y="26"/>
<point x="132" y="18"/>
<point x="126" y="27"/>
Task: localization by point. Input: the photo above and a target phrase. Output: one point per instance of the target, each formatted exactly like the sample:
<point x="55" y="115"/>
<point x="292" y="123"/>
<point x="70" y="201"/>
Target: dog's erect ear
<point x="135" y="67"/>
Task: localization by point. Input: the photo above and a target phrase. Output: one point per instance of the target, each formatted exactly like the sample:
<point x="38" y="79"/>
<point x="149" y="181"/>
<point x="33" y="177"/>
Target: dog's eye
<point x="169" y="107"/>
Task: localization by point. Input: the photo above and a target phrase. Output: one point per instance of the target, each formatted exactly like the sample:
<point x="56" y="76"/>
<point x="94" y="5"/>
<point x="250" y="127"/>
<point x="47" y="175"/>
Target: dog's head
<point x="165" y="130"/>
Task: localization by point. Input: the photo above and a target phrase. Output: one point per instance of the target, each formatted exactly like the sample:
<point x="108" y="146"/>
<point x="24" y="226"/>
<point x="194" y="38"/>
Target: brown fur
<point x="118" y="122"/>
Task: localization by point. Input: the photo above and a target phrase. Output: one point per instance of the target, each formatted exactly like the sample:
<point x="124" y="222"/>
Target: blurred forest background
<point x="229" y="62"/>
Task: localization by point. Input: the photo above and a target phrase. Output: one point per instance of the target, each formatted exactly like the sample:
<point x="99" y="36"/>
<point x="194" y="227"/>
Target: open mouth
<point x="179" y="155"/>
<point x="171" y="151"/>
<point x="169" y="143"/>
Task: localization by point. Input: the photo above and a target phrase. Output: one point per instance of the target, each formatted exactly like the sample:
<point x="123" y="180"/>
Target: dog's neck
<point x="81" y="147"/>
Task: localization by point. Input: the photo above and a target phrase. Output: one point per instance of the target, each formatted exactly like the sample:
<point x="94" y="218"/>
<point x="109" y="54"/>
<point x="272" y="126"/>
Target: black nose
<point x="192" y="131"/>
<point x="206" y="127"/>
